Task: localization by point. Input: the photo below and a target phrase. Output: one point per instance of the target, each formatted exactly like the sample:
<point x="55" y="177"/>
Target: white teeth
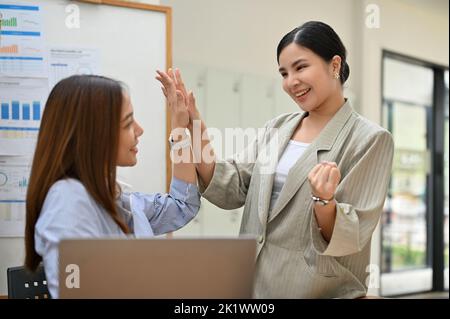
<point x="301" y="93"/>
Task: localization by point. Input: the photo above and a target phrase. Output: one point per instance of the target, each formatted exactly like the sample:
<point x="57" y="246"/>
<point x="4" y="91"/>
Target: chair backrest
<point x="23" y="284"/>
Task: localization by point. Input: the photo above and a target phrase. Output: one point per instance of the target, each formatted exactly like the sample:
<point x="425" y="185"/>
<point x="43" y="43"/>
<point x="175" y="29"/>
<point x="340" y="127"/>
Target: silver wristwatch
<point x="186" y="141"/>
<point x="321" y="201"/>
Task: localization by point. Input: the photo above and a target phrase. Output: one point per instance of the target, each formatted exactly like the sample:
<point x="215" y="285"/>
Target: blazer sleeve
<point x="360" y="198"/>
<point x="231" y="178"/>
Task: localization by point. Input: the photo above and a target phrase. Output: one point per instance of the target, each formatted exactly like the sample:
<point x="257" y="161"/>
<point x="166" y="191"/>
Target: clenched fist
<point x="324" y="179"/>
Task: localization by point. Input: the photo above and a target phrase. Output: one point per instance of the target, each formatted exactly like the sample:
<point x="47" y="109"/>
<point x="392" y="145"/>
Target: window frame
<point x="435" y="179"/>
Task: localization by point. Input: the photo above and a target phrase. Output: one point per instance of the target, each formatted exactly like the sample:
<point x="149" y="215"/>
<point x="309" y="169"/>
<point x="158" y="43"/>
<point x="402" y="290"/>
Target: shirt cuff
<point x="184" y="191"/>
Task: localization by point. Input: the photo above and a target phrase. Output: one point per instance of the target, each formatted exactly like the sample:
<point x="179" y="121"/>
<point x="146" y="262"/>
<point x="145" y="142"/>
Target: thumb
<point x="335" y="176"/>
<point x="191" y="100"/>
<point x="192" y="107"/>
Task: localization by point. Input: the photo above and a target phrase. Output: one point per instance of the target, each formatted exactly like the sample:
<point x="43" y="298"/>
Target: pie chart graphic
<point x="3" y="179"/>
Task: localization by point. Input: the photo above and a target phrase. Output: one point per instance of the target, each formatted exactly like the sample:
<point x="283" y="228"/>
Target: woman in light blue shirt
<point x="87" y="130"/>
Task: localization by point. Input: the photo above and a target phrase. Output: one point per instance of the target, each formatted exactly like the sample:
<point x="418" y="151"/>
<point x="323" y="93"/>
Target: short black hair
<point x="320" y="38"/>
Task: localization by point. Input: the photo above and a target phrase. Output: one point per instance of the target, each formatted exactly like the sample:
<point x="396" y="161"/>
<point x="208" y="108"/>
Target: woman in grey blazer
<point x="315" y="204"/>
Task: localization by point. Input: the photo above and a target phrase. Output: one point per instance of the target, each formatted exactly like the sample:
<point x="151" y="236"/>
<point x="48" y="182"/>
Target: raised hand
<point x="194" y="114"/>
<point x="324" y="179"/>
<point x="193" y="111"/>
<point x="176" y="99"/>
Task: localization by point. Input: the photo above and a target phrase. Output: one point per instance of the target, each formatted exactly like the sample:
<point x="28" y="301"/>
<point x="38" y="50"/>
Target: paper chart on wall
<point x="22" y="48"/>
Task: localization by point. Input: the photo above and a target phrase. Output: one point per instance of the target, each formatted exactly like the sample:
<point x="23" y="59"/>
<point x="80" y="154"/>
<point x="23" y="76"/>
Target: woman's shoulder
<point x="70" y="185"/>
<point x="69" y="194"/>
<point x="70" y="212"/>
<point x="368" y="128"/>
<point x="283" y="119"/>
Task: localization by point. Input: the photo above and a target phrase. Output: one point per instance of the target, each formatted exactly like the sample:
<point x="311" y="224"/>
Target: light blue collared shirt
<point x="70" y="212"/>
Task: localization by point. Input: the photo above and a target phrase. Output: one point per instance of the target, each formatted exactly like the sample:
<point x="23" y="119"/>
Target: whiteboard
<point x="133" y="41"/>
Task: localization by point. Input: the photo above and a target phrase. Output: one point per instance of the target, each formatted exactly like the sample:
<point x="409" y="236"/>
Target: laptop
<point x="219" y="268"/>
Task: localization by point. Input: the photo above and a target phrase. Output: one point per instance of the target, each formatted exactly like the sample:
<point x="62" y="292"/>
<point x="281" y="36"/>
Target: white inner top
<point x="290" y="156"/>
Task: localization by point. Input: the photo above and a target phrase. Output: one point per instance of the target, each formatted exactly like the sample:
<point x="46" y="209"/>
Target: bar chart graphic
<point x="20" y="110"/>
<point x="10" y="49"/>
<point x="23" y="183"/>
<point x="22" y="103"/>
<point x="11" y="22"/>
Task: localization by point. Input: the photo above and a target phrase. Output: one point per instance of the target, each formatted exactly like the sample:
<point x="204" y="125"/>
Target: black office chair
<point x="23" y="284"/>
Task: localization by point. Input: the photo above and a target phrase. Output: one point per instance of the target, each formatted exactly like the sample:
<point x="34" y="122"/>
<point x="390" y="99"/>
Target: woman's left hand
<point x="176" y="99"/>
<point x="324" y="179"/>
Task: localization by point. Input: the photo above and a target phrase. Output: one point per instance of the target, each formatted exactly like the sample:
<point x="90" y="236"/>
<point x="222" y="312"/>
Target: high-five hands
<point x="176" y="99"/>
<point x="172" y="82"/>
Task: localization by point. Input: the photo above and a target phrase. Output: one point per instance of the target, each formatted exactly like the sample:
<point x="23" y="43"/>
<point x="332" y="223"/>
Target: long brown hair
<point x="78" y="138"/>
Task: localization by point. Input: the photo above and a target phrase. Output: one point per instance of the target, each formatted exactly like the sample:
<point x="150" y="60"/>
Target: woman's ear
<point x="336" y="64"/>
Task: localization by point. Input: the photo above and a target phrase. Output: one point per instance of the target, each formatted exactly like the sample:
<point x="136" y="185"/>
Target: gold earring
<point x="336" y="76"/>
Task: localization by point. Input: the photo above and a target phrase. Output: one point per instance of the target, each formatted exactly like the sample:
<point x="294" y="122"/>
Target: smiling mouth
<point x="302" y="93"/>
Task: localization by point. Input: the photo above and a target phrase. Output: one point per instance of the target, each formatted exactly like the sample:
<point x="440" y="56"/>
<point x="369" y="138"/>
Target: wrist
<point x="175" y="126"/>
<point x="178" y="134"/>
<point x="179" y="141"/>
<point x="321" y="200"/>
<point x="197" y="126"/>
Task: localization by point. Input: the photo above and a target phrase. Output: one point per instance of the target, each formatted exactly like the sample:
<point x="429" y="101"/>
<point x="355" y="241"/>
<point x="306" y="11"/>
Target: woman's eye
<point x="301" y="67"/>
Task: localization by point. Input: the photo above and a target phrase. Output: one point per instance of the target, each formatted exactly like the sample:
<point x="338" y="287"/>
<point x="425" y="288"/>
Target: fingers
<point x="172" y="81"/>
<point x="329" y="163"/>
<point x="164" y="91"/>
<point x="191" y="102"/>
<point x="163" y="77"/>
<point x="166" y="81"/>
<point x="314" y="171"/>
<point x="325" y="172"/>
<point x="181" y="99"/>
<point x="172" y="76"/>
<point x="180" y="83"/>
<point x="335" y="176"/>
<point x="191" y="99"/>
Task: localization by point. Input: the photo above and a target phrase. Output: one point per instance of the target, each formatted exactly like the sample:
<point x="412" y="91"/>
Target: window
<point x="411" y="107"/>
<point x="446" y="183"/>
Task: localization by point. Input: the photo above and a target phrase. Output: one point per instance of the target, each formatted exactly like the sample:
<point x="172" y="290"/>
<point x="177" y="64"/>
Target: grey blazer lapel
<point x="265" y="192"/>
<point x="299" y="172"/>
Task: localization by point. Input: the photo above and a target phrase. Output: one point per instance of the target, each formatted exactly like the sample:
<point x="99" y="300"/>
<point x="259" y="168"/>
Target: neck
<point x="325" y="111"/>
